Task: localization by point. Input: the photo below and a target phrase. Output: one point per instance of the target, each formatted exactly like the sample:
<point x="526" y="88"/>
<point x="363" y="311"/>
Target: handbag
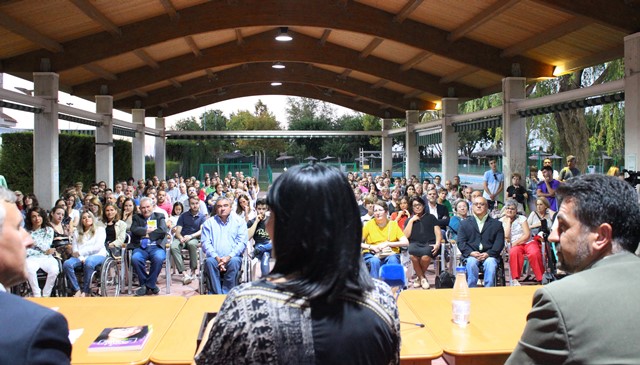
<point x="387" y="251"/>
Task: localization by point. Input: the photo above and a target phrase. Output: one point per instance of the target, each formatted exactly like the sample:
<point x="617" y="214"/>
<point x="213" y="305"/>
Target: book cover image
<point x="121" y="339"/>
<point x="152" y="223"/>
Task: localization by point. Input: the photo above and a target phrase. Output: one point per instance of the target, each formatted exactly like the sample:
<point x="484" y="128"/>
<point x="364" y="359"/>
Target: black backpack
<point x="445" y="280"/>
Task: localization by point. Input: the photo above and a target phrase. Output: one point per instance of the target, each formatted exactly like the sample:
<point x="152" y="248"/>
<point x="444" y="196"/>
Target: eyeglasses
<point x="417" y="205"/>
<point x="479" y="204"/>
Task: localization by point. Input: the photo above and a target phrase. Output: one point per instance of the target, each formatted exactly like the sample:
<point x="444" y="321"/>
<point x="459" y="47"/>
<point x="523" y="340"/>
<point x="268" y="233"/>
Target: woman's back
<point x="260" y="324"/>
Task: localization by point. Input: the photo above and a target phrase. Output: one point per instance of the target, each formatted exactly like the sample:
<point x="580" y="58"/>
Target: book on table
<point x="131" y="338"/>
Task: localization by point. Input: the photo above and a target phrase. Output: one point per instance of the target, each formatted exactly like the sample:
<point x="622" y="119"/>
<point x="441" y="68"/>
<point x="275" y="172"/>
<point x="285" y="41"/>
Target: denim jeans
<point x="229" y="277"/>
<point x="156" y="255"/>
<point x="90" y="264"/>
<point x="375" y="263"/>
<point x="264" y="255"/>
<point x="473" y="271"/>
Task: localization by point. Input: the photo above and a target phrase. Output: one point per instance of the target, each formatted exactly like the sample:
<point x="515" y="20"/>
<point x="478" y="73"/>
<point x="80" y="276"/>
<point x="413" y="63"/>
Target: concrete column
<point x="411" y="145"/>
<point x="104" y="140"/>
<point x="632" y="102"/>
<point x="515" y="130"/>
<point x="46" y="173"/>
<point x="449" y="139"/>
<point x="387" y="143"/>
<point x="161" y="151"/>
<point x="137" y="150"/>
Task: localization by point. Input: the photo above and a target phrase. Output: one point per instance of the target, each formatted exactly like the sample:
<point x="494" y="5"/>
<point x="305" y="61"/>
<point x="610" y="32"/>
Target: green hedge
<point x="76" y="154"/>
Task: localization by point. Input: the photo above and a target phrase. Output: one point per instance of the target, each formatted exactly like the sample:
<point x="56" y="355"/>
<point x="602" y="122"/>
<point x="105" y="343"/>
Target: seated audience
<point x="322" y="314"/>
<point x="461" y="211"/>
<point x="224" y="239"/>
<point x="425" y="237"/>
<point x="258" y="232"/>
<point x="517" y="192"/>
<point x="187" y="234"/>
<point x="89" y="251"/>
<point x="518" y="236"/>
<point x="115" y="228"/>
<point x="148" y="234"/>
<point x="382" y="239"/>
<point x="481" y="240"/>
<point x="402" y="213"/>
<point x="540" y="219"/>
<point x="40" y="255"/>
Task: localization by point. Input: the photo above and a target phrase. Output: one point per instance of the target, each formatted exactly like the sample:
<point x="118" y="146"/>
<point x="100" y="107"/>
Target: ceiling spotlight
<point x="278" y="65"/>
<point x="283" y="35"/>
<point x="275" y="83"/>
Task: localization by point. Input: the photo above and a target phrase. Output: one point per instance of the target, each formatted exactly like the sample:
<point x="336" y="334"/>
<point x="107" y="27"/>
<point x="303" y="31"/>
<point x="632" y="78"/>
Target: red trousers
<point x="516" y="259"/>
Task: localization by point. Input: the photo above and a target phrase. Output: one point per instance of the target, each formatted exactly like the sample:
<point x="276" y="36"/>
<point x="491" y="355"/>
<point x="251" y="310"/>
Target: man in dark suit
<point x="589" y="317"/>
<point x="437" y="210"/>
<point x="31" y="334"/>
<point x="481" y="240"/>
<point x="148" y="235"/>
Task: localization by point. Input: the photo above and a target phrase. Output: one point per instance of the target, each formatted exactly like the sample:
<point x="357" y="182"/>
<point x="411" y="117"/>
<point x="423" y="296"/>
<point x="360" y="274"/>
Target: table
<point x="497" y="320"/>
<point x="178" y="346"/>
<point x="95" y="314"/>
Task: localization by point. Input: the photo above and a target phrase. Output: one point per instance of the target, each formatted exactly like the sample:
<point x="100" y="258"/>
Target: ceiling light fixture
<point x="283" y="35"/>
<point x="278" y="65"/>
<point x="276" y="83"/>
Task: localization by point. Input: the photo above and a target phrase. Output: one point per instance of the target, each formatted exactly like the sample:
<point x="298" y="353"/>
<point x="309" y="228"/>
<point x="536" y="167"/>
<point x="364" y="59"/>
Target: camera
<point x="631" y="177"/>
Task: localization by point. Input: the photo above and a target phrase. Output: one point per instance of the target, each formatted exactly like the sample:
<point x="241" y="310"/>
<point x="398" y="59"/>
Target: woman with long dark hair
<point x="425" y="236"/>
<point x="318" y="305"/>
<point x="40" y="255"/>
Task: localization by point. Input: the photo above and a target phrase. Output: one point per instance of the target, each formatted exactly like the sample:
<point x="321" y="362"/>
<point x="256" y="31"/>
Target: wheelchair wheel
<point x="110" y="278"/>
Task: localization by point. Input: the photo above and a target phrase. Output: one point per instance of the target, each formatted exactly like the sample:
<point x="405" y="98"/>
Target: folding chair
<point x="393" y="275"/>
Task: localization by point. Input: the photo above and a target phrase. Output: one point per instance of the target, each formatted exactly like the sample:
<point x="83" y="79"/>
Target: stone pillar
<point x="46" y="173"/>
<point x="137" y="150"/>
<point x="632" y="102"/>
<point x="449" y="139"/>
<point x="104" y="140"/>
<point x="387" y="143"/>
<point x="514" y="130"/>
<point x="161" y="151"/>
<point x="412" y="155"/>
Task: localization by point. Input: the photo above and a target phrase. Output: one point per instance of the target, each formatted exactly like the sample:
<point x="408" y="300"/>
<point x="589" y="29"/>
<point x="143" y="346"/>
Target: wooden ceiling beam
<point x="100" y="71"/>
<point x="170" y="9"/>
<point x="458" y="74"/>
<point x="481" y="18"/>
<point x="345" y="74"/>
<point x="359" y="18"/>
<point x="547" y="36"/>
<point x="370" y="47"/>
<point x="146" y="58"/>
<point x="591" y="60"/>
<point x="415" y="60"/>
<point x="325" y="36"/>
<point x="406" y="10"/>
<point x="25" y="31"/>
<point x="192" y="44"/>
<point x="239" y="38"/>
<point x="379" y="84"/>
<point x="263" y="72"/>
<point x="176" y="84"/>
<point x="96" y="15"/>
<point x="622" y="15"/>
<point x="262" y="48"/>
<point x="302" y="90"/>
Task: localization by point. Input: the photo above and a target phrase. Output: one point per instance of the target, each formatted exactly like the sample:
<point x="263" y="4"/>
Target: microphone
<point x="415" y="324"/>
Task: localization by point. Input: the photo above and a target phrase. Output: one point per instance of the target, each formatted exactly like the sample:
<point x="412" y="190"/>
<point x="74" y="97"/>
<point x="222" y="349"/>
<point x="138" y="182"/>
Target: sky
<point x="276" y="104"/>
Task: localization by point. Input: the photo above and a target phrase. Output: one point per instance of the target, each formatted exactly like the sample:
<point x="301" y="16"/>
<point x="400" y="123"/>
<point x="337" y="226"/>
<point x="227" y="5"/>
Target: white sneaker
<point x="416" y="283"/>
<point x="515" y="282"/>
<point x="424" y="283"/>
<point x="186" y="279"/>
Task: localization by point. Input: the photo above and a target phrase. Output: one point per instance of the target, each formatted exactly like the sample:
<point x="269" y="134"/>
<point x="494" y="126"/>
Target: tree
<point x="262" y="119"/>
<point x="309" y="115"/>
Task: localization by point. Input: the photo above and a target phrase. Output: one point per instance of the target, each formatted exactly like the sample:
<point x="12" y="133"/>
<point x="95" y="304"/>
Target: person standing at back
<point x="493" y="184"/>
<point x="590" y="316"/>
<point x="318" y="305"/>
<point x="31" y="334"/>
<point x="570" y="170"/>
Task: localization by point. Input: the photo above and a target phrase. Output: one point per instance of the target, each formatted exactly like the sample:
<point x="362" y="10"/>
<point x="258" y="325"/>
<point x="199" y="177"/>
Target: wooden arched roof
<point x="378" y="57"/>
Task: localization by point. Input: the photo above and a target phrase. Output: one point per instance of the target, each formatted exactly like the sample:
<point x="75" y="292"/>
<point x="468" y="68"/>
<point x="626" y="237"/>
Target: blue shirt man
<point x="224" y="239"/>
<point x="493" y="184"/>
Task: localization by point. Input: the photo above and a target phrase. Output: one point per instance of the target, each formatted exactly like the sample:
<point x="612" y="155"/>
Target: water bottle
<point x="461" y="300"/>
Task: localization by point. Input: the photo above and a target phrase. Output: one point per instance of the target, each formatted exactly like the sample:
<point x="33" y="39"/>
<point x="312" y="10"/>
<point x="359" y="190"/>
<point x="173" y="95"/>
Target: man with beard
<point x="590" y="316"/>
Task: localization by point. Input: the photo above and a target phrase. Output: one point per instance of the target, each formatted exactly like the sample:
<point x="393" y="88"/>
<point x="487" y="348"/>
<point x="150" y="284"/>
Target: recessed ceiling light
<point x="275" y="83"/>
<point x="278" y="65"/>
<point x="283" y="35"/>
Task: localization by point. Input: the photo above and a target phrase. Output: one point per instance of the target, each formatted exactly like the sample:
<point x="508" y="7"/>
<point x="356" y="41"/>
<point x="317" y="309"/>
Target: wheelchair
<point x="106" y="279"/>
<point x="206" y="286"/>
<point x="127" y="254"/>
<point x="59" y="288"/>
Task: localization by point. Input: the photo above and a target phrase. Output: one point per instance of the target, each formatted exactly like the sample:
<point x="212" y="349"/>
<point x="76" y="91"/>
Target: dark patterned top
<point x="259" y="324"/>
